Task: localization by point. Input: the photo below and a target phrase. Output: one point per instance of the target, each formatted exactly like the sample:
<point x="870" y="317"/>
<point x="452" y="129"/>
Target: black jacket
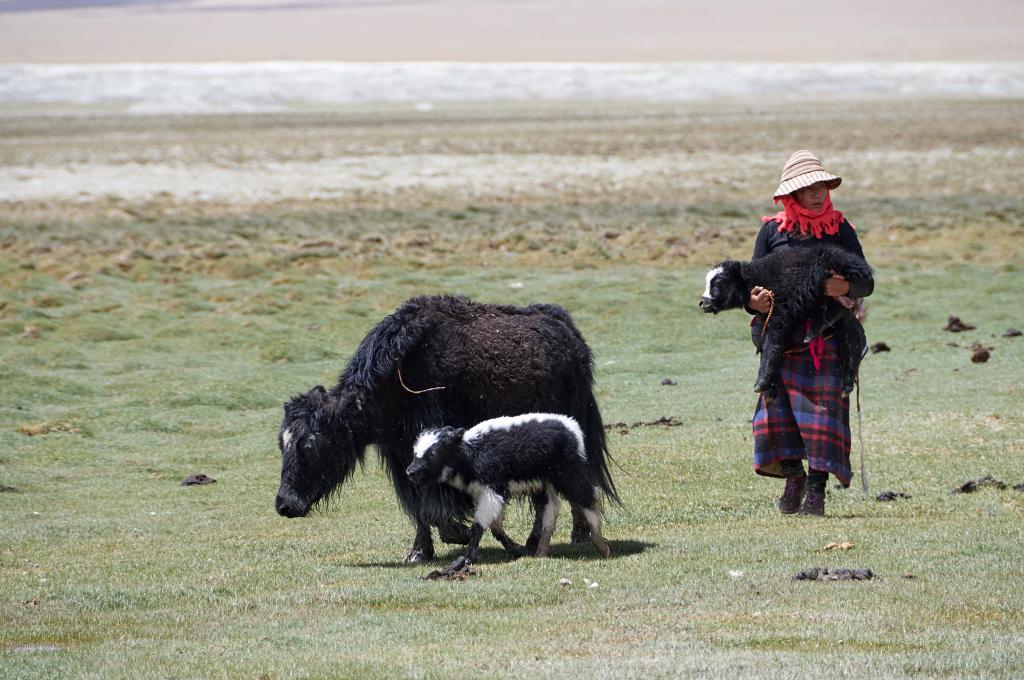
<point x="770" y="239"/>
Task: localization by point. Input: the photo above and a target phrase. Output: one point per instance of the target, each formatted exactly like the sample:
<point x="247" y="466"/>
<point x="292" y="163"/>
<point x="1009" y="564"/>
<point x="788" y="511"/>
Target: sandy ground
<point x="464" y="177"/>
<point x="533" y="30"/>
<point x="631" y="183"/>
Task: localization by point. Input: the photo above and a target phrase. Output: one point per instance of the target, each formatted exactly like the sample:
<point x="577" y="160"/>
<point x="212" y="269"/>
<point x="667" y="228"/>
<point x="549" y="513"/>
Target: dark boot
<point x="814" y="504"/>
<point x="793" y="495"/>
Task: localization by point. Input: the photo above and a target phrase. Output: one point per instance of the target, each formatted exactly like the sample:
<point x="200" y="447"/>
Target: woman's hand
<point x="836" y="286"/>
<point x="760" y="300"/>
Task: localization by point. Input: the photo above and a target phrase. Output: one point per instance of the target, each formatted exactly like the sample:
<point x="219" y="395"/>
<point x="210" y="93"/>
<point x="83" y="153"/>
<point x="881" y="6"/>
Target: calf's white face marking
<point x="424" y="442"/>
<point x="286" y="438"/>
<point x="707" y="282"/>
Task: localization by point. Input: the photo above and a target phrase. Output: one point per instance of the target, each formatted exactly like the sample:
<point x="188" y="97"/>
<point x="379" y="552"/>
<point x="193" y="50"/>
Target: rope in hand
<point x="764" y="327"/>
<point x="412" y="391"/>
<point x="771" y="310"/>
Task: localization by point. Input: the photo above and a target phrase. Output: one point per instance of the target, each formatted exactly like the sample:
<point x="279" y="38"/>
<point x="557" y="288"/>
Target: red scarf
<point x="793" y="218"/>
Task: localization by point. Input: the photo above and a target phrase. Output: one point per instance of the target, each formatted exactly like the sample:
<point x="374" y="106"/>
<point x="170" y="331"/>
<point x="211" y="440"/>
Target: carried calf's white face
<point x="705" y="297"/>
<point x="723" y="289"/>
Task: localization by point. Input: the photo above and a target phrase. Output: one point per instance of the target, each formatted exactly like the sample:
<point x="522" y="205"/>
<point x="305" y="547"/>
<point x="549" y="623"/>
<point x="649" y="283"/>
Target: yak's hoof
<point x="454" y="534"/>
<point x="460" y="563"/>
<point x="416" y="556"/>
<point x="580" y="535"/>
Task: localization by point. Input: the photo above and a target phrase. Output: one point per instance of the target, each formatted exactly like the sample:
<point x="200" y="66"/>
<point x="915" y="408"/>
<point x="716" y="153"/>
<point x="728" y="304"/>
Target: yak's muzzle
<point x="290" y="506"/>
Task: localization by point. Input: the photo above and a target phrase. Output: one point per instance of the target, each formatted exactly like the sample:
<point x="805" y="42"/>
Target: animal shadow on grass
<point x="498" y="555"/>
<point x="488" y="555"/>
<point x="574" y="551"/>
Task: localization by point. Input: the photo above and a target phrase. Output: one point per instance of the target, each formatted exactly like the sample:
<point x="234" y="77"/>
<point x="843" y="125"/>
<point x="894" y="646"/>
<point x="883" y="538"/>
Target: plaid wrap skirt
<point x="810" y="419"/>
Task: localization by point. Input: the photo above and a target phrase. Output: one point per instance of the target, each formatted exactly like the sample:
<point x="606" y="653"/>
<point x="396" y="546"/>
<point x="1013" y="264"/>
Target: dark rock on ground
<point x="891" y="496"/>
<point x="975" y="484"/>
<point x="196" y="480"/>
<point x="839" y="574"/>
<point x="956" y="325"/>
<point x="9" y="489"/>
<point x="1012" y="333"/>
<point x="980" y="353"/>
<point x="669" y="381"/>
<point x="879" y="347"/>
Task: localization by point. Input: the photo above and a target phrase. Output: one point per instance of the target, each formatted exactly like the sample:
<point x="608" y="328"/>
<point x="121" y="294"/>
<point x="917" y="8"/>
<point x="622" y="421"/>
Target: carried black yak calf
<point x="796" y="278"/>
<point x="437" y="361"/>
<point x="534" y="453"/>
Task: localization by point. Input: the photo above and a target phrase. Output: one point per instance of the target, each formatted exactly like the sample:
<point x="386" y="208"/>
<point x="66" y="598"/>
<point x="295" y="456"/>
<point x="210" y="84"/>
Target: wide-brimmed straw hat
<point x="802" y="170"/>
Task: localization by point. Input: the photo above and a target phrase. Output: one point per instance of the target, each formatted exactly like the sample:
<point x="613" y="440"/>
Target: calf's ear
<point x="454" y="434"/>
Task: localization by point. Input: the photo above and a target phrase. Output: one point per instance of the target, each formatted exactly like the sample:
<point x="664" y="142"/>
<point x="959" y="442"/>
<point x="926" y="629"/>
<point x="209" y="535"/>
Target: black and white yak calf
<point x="437" y="361"/>
<point x="796" y="278"/>
<point x="532" y="453"/>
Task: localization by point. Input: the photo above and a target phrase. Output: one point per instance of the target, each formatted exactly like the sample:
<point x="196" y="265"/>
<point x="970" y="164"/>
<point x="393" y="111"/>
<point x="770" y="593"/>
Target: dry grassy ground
<point x="150" y="329"/>
<point x="602" y="183"/>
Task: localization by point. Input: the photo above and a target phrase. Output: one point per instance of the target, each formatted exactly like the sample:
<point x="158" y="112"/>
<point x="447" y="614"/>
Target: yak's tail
<point x="597" y="449"/>
<point x="586" y="410"/>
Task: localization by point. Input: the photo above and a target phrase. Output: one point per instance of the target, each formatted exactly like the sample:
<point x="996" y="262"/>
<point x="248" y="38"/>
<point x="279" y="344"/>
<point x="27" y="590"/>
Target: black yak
<point x="535" y="453"/>
<point x="436" y="361"/>
<point x="796" y="277"/>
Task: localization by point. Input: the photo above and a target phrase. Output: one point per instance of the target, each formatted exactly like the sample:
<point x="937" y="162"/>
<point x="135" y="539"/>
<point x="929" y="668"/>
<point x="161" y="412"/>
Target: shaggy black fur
<point x="492" y="360"/>
<point x="797" y="278"/>
<point x="537" y="453"/>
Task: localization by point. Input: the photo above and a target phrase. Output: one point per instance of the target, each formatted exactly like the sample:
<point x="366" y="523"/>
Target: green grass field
<point x="147" y="339"/>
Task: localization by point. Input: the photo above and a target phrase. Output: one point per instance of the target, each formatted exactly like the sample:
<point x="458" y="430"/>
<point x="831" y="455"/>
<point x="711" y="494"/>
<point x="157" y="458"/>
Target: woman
<point x="811" y="417"/>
